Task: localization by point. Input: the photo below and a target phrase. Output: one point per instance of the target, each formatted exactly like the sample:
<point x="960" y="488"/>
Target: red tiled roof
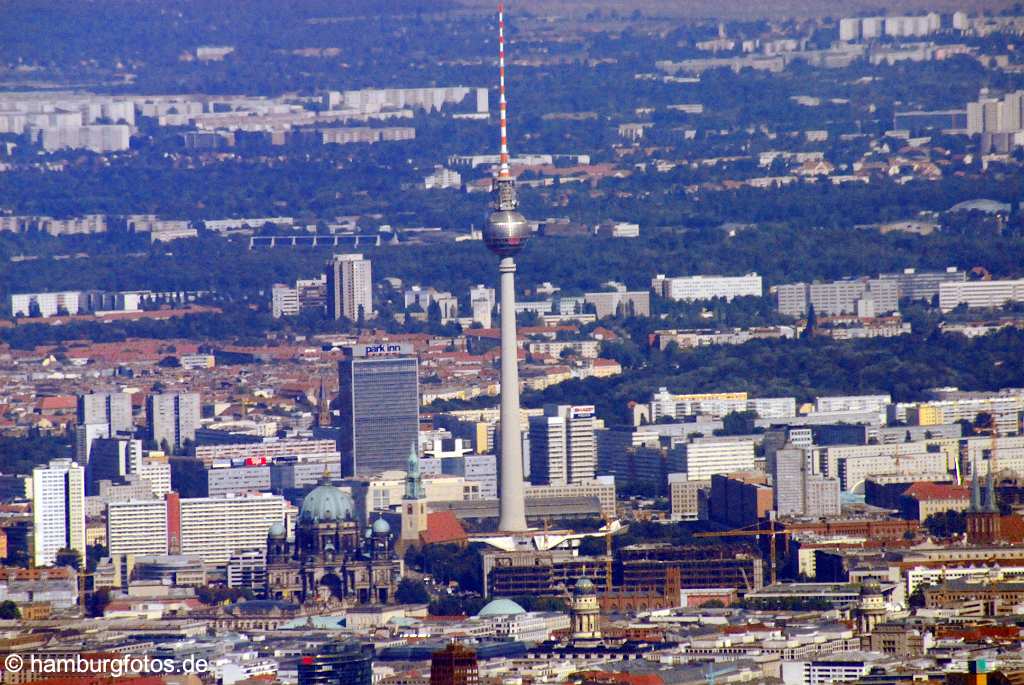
<point x="443" y="526"/>
<point x="924" y="490"/>
<point x="57" y="402"/>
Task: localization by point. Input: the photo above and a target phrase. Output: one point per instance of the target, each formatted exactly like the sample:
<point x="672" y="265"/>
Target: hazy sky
<point x="746" y="8"/>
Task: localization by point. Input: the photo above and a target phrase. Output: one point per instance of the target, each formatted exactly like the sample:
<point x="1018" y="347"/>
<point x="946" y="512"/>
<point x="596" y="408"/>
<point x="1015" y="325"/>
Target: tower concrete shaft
<point x="512" y="517"/>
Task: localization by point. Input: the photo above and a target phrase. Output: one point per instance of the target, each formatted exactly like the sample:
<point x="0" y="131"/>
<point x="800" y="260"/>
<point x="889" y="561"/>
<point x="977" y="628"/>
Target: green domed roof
<point x="584" y="585"/>
<point x="326" y="503"/>
<point x="277" y="530"/>
<point x="501" y="607"/>
<point x="381" y="527"/>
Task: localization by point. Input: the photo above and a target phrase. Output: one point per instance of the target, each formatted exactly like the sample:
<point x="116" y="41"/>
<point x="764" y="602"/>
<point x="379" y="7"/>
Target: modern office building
<point x="690" y="288"/>
<point x="336" y="663"/>
<point x="58" y="510"/>
<point x="173" y="419"/>
<point x="259" y="451"/>
<point x="563" y="448"/>
<point x="349" y="287"/>
<point x="380" y="405"/>
<point x="111" y="459"/>
<point x="111" y="409"/>
<point x="705" y="458"/>
<point x="248" y="569"/>
<point x="454" y="665"/>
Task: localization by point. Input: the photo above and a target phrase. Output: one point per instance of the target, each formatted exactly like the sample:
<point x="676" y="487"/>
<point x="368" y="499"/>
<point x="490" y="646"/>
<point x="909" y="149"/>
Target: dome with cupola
<point x="326" y="503"/>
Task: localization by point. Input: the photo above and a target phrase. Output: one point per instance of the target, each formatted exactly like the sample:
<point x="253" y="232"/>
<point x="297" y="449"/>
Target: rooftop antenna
<point x="503" y="169"/>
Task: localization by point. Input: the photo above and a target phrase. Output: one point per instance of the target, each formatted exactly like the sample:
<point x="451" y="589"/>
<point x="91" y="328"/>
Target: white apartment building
<point x="98" y="138"/>
<point x="157" y="474"/>
<point x="980" y="294"/>
<point x="45" y="304"/>
<point x="852" y="403"/>
<point x="213" y="528"/>
<point x="58" y="510"/>
<point x="442" y="179"/>
<point x="302" y="450"/>
<point x="705" y="458"/>
<point x="284" y="301"/>
<point x="349" y="287"/>
<point x="137" y="527"/>
<point x="704" y="287"/>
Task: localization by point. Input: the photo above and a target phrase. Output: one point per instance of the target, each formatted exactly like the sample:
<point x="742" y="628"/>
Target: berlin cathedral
<point x="328" y="560"/>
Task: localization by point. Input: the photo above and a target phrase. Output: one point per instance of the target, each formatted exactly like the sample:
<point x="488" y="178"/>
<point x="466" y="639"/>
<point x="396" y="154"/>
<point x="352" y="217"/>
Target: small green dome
<point x="326" y="503"/>
<point x="381" y="527"/>
<point x="584" y="586"/>
<point x="277" y="530"/>
<point x="501" y="607"/>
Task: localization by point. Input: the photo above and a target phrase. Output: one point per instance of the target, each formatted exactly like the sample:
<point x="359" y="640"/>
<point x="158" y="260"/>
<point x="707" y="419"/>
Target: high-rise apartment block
<point x="112" y="409"/>
<point x="798" y="489"/>
<point x="923" y="285"/>
<point x="690" y="288"/>
<point x="112" y="459"/>
<point x="863" y="297"/>
<point x="380" y="407"/>
<point x="349" y="287"/>
<point x="173" y="418"/>
<point x="58" y="510"/>
<point x="563" y="447"/>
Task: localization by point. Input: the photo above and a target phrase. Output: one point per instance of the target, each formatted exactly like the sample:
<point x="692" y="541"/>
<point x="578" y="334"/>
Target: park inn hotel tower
<point x="379" y="398"/>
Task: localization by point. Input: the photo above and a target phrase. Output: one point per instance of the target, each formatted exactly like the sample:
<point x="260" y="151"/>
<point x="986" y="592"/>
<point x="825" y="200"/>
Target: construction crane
<point x="772" y="532"/>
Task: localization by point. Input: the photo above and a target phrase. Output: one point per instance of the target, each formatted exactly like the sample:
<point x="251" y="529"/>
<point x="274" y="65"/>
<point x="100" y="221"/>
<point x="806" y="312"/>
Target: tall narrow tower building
<point x="505" y="233"/>
<point x="349" y="287"/>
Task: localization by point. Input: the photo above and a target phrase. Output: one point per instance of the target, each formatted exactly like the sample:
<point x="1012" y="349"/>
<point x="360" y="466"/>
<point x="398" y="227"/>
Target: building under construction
<point x="699" y="566"/>
<point x="534" y="572"/>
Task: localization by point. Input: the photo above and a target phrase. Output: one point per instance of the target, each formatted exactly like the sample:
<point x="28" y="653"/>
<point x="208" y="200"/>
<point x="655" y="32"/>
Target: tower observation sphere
<point x="506" y="232"/>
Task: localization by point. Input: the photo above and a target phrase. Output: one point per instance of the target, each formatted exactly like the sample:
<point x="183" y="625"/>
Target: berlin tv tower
<point x="505" y="234"/>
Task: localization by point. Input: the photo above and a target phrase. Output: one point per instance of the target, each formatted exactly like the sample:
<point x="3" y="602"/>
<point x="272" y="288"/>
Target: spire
<point x="990" y="492"/>
<point x="413" y="481"/>
<point x="975" y="491"/>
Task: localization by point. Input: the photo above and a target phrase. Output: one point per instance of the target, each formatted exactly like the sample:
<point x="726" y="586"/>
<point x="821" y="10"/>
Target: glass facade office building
<point x="343" y="663"/>
<point x="380" y="411"/>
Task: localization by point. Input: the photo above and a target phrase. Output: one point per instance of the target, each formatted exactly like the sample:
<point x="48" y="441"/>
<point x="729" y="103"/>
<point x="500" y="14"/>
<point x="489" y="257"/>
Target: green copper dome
<point x="326" y="503"/>
<point x="381" y="527"/>
<point x="584" y="586"/>
<point x="501" y="607"/>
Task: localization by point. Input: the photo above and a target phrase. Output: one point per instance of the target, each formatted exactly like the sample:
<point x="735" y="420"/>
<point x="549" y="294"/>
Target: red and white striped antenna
<point x="503" y="172"/>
